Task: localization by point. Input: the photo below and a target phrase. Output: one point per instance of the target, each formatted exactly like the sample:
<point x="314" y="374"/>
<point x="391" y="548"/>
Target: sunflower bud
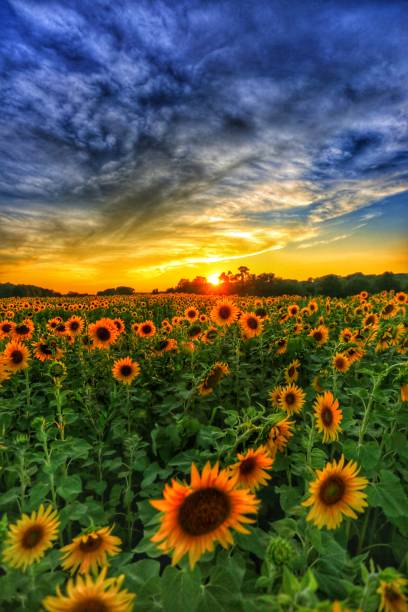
<point x="280" y="551"/>
<point x="58" y="370"/>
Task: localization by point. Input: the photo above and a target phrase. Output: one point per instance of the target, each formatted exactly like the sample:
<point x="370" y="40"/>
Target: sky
<point x="145" y="141"/>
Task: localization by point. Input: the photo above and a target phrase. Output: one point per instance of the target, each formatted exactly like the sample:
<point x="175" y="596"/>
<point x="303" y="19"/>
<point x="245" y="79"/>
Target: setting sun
<point x="214" y="278"/>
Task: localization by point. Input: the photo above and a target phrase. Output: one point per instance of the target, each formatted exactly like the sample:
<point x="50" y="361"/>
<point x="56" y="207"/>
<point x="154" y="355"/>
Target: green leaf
<point x="70" y="487"/>
<point x="180" y="589"/>
<point x="389" y="495"/>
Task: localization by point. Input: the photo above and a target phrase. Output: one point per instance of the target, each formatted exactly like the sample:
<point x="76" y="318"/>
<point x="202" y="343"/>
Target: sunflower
<point x="392" y="595"/>
<point x="215" y="375"/>
<point x="52" y="323"/>
<point x="224" y="313"/>
<point x="90" y="551"/>
<point x="16" y="356"/>
<point x="194" y="331"/>
<point x="251" y="324"/>
<point x="4" y="372"/>
<point x="341" y="362"/>
<point x="279" y="436"/>
<point x="345" y="335"/>
<point x="47" y="349"/>
<point x="30" y="537"/>
<point x="328" y="416"/>
<point x="75" y="325"/>
<point x="191" y="314"/>
<point x="99" y="594"/>
<point x="165" y="346"/>
<point x="293" y="309"/>
<point x="389" y="310"/>
<point x="6" y="329"/>
<point x="354" y="353"/>
<point x="291" y="372"/>
<point x="320" y="334"/>
<point x="147" y="329"/>
<point x="312" y="307"/>
<point x="120" y="325"/>
<point x="282" y="346"/>
<point x="371" y="320"/>
<point x="274" y="395"/>
<point x="24" y="330"/>
<point x="337" y="491"/>
<point x="291" y="399"/>
<point x="103" y="333"/>
<point x="196" y="516"/>
<point x="249" y="471"/>
<point x="401" y="297"/>
<point x="125" y="370"/>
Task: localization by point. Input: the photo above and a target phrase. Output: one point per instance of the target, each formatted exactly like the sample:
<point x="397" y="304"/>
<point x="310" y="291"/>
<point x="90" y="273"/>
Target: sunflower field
<point x="193" y="454"/>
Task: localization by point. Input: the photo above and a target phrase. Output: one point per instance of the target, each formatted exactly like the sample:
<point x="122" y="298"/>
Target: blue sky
<point x="165" y="137"/>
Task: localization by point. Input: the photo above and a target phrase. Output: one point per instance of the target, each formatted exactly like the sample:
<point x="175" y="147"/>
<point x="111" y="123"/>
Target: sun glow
<point x="214" y="278"/>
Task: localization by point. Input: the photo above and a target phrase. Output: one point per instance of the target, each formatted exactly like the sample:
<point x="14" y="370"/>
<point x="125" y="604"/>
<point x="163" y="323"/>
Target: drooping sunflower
<point x="336" y="492"/>
<point x="90" y="551"/>
<point x="291" y="399"/>
<point x="86" y="594"/>
<point x="125" y="370"/>
<point x="328" y="416"/>
<point x="291" y="372"/>
<point x="165" y="346"/>
<point x="392" y="595"/>
<point x="30" y="537"/>
<point x="319" y="334"/>
<point x="279" y="436"/>
<point x="47" y="349"/>
<point x="198" y="515"/>
<point x="251" y="324"/>
<point x="215" y="375"/>
<point x="281" y="344"/>
<point x="250" y="469"/>
<point x="103" y="333"/>
<point x="341" y="362"/>
<point x="194" y="331"/>
<point x="147" y="329"/>
<point x="224" y="313"/>
<point x="16" y="356"/>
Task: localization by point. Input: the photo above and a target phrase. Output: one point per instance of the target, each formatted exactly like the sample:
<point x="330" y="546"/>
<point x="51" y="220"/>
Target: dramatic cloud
<point x="174" y="133"/>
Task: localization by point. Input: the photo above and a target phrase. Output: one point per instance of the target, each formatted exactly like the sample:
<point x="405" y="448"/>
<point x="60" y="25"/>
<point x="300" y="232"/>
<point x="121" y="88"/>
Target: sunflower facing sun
<point x="336" y="492"/>
<point x="90" y="551"/>
<point x="250" y="469"/>
<point x="30" y="537"/>
<point x="328" y="416"/>
<point x="196" y="516"/>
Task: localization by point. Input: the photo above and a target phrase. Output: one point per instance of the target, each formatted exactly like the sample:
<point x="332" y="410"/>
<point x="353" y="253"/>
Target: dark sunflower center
<point x="6" y="328"/>
<point x="247" y="466"/>
<point x="32" y="536"/>
<point x="60" y="327"/>
<point x="146" y="329"/>
<point x="162" y="345"/>
<point x="22" y="329"/>
<point x="191" y="314"/>
<point x="291" y="371"/>
<point x="327" y="416"/>
<point x="332" y="490"/>
<point x="340" y="362"/>
<point x="252" y="323"/>
<point x="90" y="544"/>
<point x="281" y="342"/>
<point x="194" y="331"/>
<point x="392" y="595"/>
<point x="290" y="398"/>
<point x="126" y="370"/>
<point x="17" y="357"/>
<point x="90" y="604"/>
<point x="203" y="511"/>
<point x="388" y="308"/>
<point x="45" y="349"/>
<point x="224" y="312"/>
<point x="74" y="325"/>
<point x="103" y="334"/>
<point x="318" y="336"/>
